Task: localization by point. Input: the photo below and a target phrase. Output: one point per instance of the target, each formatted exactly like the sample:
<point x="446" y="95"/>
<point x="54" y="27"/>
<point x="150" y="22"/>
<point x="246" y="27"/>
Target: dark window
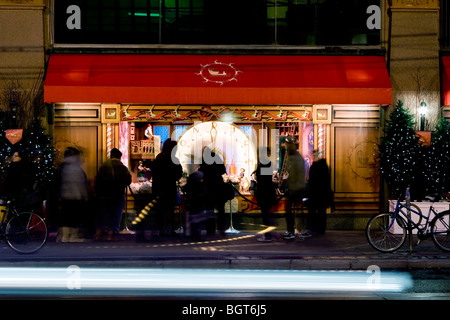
<point x="252" y="22"/>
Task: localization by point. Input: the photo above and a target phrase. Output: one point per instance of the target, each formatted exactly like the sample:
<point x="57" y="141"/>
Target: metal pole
<point x="408" y="204"/>
<point x="231" y="229"/>
<point x="125" y="229"/>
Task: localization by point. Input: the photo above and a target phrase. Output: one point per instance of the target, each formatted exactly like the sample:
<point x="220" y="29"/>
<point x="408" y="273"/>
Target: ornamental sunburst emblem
<point x="218" y="72"/>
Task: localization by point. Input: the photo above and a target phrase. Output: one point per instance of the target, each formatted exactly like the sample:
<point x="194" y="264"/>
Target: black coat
<point x="214" y="183"/>
<point x="19" y="185"/>
<point x="112" y="179"/>
<point x="165" y="174"/>
<point x="265" y="192"/>
<point x="319" y="184"/>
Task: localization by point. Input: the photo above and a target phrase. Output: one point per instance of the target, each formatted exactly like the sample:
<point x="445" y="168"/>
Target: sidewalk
<point x="340" y="250"/>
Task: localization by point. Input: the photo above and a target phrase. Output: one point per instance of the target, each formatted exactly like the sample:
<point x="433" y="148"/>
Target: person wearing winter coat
<point x="265" y="192"/>
<point x="166" y="171"/>
<point x="19" y="183"/>
<point x="111" y="182"/>
<point x="320" y="195"/>
<point x="213" y="169"/>
<point x="296" y="185"/>
<point x="196" y="196"/>
<point x="73" y="193"/>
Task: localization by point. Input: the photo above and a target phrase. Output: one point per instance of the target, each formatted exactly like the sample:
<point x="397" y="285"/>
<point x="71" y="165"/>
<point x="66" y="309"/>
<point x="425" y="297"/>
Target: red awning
<point x="446" y="80"/>
<point x="217" y="79"/>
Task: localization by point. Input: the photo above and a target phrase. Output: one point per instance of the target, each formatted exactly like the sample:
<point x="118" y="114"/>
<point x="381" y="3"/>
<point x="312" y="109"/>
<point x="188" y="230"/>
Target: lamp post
<point x="422" y="112"/>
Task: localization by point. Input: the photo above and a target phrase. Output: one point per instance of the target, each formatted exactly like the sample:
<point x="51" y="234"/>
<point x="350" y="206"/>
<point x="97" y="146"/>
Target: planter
<point x="424" y="208"/>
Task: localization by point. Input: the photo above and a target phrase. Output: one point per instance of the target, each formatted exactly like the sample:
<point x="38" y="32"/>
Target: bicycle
<point x="24" y="232"/>
<point x="380" y="231"/>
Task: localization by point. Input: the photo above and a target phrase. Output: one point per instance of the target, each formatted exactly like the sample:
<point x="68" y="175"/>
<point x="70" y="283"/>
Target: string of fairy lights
<point x="36" y="146"/>
<point x="406" y="162"/>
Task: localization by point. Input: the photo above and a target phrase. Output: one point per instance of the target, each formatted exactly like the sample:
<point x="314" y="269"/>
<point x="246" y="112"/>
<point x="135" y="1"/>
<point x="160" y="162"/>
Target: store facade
<point x="409" y="38"/>
<point x="234" y="103"/>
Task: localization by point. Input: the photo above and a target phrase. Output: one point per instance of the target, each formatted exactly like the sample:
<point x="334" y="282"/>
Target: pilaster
<point x="414" y="55"/>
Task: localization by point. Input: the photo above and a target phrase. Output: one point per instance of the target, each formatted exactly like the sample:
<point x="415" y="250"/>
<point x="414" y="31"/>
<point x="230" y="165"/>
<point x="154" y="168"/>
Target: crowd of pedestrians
<point x="204" y="194"/>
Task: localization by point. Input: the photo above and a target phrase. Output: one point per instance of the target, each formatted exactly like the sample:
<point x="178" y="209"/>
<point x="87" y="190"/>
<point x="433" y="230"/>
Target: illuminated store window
<point x="163" y="132"/>
<point x="179" y="129"/>
<point x="247" y="130"/>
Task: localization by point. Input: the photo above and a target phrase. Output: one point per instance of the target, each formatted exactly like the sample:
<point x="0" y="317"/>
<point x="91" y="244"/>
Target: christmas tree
<point x="399" y="150"/>
<point x="437" y="166"/>
<point x="36" y="144"/>
<point x="22" y="110"/>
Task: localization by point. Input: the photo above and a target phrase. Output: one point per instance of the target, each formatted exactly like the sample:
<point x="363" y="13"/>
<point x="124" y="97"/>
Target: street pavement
<point x="337" y="249"/>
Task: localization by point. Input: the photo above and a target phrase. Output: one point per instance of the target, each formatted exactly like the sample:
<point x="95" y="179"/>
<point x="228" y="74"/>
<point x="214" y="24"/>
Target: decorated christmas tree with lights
<point x="399" y="151"/>
<point x="36" y="144"/>
<point x="21" y="111"/>
<point x="437" y="168"/>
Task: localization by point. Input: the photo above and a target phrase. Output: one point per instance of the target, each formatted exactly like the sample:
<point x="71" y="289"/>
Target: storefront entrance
<point x="329" y="103"/>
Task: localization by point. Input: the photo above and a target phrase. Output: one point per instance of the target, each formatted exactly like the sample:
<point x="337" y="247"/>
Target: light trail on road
<point x="76" y="281"/>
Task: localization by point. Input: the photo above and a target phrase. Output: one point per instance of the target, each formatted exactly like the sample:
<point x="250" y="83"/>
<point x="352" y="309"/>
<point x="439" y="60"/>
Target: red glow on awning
<point x="217" y="79"/>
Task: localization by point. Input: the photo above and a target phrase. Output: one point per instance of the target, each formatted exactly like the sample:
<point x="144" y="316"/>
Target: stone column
<point x="413" y="56"/>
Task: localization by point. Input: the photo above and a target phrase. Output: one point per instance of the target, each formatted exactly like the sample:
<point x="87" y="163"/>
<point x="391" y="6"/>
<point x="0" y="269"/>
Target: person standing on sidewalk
<point x="320" y="196"/>
<point x="296" y="184"/>
<point x="111" y="182"/>
<point x="213" y="170"/>
<point x="18" y="183"/>
<point x="73" y="193"/>
<point x="265" y="192"/>
<point x="166" y="171"/>
<point x="196" y="197"/>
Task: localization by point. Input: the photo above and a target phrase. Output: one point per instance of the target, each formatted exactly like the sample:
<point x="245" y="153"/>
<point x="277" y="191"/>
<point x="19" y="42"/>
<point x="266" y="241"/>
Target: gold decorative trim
<point x="110" y="113"/>
<point x="20" y="3"/>
<point x="322" y="113"/>
<point x="415" y="4"/>
<point x="212" y="113"/>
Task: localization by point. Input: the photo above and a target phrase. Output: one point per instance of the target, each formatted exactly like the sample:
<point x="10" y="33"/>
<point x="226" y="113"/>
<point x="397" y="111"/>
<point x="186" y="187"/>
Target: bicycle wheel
<point x="26" y="232"/>
<point x="382" y="239"/>
<point x="440" y="230"/>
